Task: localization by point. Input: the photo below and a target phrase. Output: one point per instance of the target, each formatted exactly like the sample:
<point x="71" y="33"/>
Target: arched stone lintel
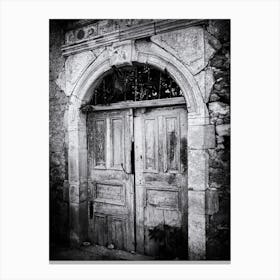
<point x="149" y="53"/>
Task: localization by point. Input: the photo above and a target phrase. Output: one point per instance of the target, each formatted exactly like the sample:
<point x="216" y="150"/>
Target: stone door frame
<point x="201" y="136"/>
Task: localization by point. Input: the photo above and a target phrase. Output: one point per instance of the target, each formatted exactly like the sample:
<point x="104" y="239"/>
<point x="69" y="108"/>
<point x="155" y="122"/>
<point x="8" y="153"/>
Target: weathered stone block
<point x="220" y="139"/>
<point x="74" y="66"/>
<point x="121" y="53"/>
<point x="78" y="222"/>
<point x="83" y="167"/>
<point x="197" y="236"/>
<point x="74" y="193"/>
<point x="73" y="164"/>
<point x="61" y="80"/>
<point x="196" y="202"/>
<point x="83" y="190"/>
<point x="198" y="169"/>
<point x="214" y="97"/>
<point x="201" y="137"/>
<point x="78" y="191"/>
<point x="223" y="130"/>
<point x="212" y="41"/>
<point x="205" y="80"/>
<point x="212" y="201"/>
<point x="185" y="44"/>
<point x="218" y="108"/>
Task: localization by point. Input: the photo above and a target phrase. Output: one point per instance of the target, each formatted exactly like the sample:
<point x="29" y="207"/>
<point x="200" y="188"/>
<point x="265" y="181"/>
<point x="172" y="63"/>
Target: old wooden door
<point x="161" y="179"/>
<point x="138" y="177"/>
<point x="111" y="189"/>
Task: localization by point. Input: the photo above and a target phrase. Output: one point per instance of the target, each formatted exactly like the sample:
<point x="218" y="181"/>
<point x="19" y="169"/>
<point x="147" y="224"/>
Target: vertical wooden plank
<point x="139" y="188"/>
<point x="161" y="165"/>
<point x="129" y="228"/>
<point x="150" y="144"/>
<point x="139" y="151"/>
<point x="116" y="232"/>
<point x="128" y="132"/>
<point x="100" y="229"/>
<point x="100" y="142"/>
<point x="173" y="142"/>
<point x="108" y="142"/>
<point x="171" y="138"/>
<point x="117" y="142"/>
<point x="119" y="233"/>
<point x="164" y="145"/>
<point x="90" y="141"/>
<point x="150" y="149"/>
<point x="183" y="141"/>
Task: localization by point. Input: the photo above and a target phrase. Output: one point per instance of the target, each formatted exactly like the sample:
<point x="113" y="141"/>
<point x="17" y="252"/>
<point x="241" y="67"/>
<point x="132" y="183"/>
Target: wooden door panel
<point x="111" y="184"/>
<point x="100" y="231"/>
<point x="160" y="176"/>
<point x="171" y="143"/>
<point x="150" y="145"/>
<point x="118" y="232"/>
<point x="117" y="142"/>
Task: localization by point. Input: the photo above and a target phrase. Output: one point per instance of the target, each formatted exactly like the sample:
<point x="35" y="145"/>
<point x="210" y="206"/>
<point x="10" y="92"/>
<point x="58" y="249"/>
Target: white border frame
<point x="255" y="139"/>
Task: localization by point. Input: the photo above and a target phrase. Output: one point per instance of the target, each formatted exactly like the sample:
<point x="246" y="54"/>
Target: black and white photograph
<point x="139" y="139"/>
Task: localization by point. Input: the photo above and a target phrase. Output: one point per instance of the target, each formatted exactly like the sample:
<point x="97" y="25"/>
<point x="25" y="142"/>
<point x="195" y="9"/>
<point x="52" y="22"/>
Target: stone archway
<point x="201" y="136"/>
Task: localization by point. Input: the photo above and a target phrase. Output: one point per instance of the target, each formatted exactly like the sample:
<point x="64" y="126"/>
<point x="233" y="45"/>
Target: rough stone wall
<point x="218" y="224"/>
<point x="57" y="148"/>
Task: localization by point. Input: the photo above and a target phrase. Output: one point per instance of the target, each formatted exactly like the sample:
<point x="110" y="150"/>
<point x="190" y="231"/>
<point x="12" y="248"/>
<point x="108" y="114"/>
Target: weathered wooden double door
<point x="137" y="160"/>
